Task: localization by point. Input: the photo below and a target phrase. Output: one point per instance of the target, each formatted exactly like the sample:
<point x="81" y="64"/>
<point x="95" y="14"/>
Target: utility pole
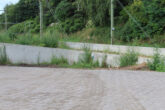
<point x="41" y="18"/>
<point x="112" y="21"/>
<point x="6" y="20"/>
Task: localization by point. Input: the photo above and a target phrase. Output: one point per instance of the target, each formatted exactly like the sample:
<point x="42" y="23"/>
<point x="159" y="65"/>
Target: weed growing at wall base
<point x="59" y="61"/>
<point x="86" y="60"/>
<point x="157" y="63"/>
<point x="3" y="56"/>
<point x="128" y="59"/>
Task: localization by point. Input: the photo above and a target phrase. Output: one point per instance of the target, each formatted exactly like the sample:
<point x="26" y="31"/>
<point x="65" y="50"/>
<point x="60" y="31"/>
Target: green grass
<point x="85" y="61"/>
<point x="128" y="59"/>
<point x="91" y="35"/>
<point x="63" y="45"/>
<point x="59" y="61"/>
<point x="49" y="39"/>
<point x="161" y="66"/>
<point x="4" y="37"/>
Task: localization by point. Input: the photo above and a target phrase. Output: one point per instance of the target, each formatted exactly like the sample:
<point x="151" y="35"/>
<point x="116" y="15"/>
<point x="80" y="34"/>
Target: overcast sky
<point x="3" y="3"/>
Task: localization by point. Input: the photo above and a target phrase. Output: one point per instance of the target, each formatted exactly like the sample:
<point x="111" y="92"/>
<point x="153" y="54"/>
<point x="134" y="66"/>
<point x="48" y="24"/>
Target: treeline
<point x="134" y="19"/>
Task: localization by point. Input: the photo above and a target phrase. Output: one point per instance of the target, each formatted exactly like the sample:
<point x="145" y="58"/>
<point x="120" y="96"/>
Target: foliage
<point x="70" y="19"/>
<point x="63" y="45"/>
<point x="28" y="39"/>
<point x="87" y="60"/>
<point x="4" y="37"/>
<point x="3" y="56"/>
<point x="72" y="25"/>
<point x="24" y="27"/>
<point x="128" y="59"/>
<point x="136" y="20"/>
<point x="100" y="35"/>
<point x="59" y="61"/>
<point x="49" y="40"/>
<point x="64" y="10"/>
<point x="149" y="15"/>
<point x="97" y="11"/>
<point x="157" y="63"/>
<point x="27" y="9"/>
<point x="161" y="66"/>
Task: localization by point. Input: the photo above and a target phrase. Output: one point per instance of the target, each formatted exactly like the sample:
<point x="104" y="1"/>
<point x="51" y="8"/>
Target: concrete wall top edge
<point x="106" y="45"/>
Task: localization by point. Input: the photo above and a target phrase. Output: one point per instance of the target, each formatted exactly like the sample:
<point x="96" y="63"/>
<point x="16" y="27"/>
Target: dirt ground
<point x="34" y="88"/>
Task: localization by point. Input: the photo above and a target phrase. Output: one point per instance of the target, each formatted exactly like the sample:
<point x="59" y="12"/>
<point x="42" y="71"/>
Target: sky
<point x="3" y="3"/>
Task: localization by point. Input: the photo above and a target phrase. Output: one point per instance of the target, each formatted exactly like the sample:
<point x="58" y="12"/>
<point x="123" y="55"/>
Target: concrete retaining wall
<point x="147" y="51"/>
<point x="34" y="55"/>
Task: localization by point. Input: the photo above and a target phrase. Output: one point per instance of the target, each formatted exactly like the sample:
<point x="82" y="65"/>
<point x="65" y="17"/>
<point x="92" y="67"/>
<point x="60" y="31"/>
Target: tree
<point x="27" y="9"/>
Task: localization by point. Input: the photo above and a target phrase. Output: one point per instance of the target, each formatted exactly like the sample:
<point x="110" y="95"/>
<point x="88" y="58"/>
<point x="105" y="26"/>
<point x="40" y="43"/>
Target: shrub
<point x="157" y="63"/>
<point x="128" y="59"/>
<point x="161" y="66"/>
<point x="86" y="60"/>
<point x="49" y="40"/>
<point x="71" y="25"/>
<point x="24" y="27"/>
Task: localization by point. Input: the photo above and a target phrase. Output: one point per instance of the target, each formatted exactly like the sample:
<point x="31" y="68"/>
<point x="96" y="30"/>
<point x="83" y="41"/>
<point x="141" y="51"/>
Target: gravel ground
<point x="30" y="88"/>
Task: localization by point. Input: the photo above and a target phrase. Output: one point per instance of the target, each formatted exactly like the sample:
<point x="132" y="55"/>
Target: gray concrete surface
<point x="147" y="51"/>
<point x="34" y="55"/>
<point x="26" y="88"/>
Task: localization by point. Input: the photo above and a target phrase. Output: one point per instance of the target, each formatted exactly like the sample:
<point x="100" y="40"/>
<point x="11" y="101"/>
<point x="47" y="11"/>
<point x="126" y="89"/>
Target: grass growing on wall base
<point x="128" y="59"/>
<point x="157" y="63"/>
<point x="59" y="61"/>
<point x="3" y="57"/>
<point x="86" y="60"/>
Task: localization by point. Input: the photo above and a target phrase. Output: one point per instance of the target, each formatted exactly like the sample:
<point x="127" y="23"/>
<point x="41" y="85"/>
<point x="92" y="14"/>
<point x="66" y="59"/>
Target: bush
<point x="72" y="24"/>
<point x="24" y="27"/>
<point x="128" y="59"/>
